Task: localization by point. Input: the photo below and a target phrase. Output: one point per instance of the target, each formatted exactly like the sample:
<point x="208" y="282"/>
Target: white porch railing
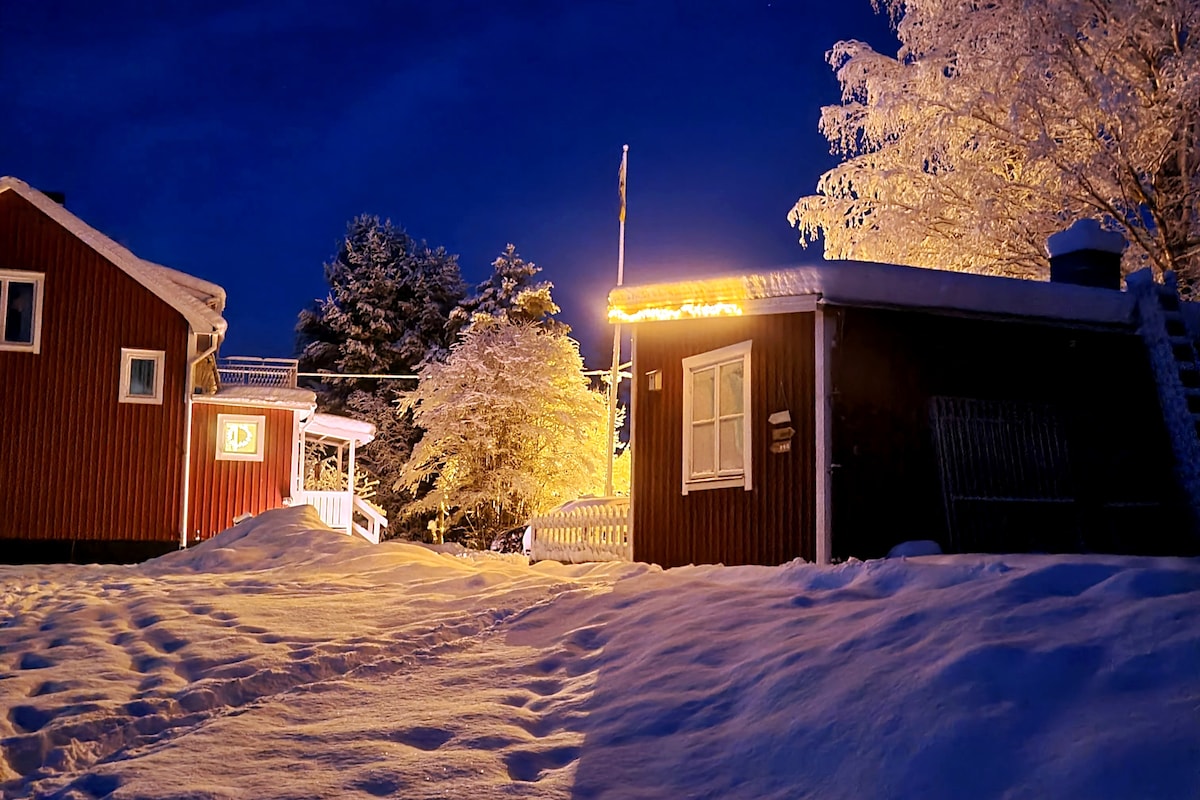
<point x="333" y="507"/>
<point x="374" y="517"/>
<point x="338" y="510"/>
<point x="597" y="533"/>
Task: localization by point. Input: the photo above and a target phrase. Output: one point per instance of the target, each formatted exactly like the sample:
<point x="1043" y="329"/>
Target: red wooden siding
<point x="74" y="462"/>
<point x="222" y="490"/>
<point x="775" y="521"/>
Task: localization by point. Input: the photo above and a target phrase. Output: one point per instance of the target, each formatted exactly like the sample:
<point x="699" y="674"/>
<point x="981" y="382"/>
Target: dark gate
<point x="1006" y="475"/>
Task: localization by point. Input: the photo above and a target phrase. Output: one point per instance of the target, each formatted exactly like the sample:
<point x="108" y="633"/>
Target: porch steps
<point x="1170" y="336"/>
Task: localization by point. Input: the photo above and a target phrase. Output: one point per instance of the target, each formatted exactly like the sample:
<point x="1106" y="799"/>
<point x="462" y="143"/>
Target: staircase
<point x="1170" y="336"/>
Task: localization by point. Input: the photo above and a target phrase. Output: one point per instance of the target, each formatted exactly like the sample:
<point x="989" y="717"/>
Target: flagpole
<point x="613" y="380"/>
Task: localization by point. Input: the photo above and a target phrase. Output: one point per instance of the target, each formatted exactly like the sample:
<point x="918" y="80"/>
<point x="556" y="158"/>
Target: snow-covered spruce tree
<point x="511" y="428"/>
<point x="999" y="122"/>
<point x="390" y="297"/>
<point x="510" y="293"/>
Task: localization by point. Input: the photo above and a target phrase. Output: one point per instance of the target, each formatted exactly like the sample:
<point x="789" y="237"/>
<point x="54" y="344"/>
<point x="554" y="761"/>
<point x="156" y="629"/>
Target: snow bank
<point x="282" y="659"/>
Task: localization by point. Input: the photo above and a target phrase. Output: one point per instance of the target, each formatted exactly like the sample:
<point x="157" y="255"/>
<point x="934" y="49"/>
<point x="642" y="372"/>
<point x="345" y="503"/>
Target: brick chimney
<point x="1086" y="255"/>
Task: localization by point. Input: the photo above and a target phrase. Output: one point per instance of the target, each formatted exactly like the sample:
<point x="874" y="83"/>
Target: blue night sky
<point x="233" y="140"/>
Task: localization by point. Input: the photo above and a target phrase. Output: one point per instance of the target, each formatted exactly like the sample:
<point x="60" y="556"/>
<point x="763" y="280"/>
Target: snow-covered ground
<point x="282" y="660"/>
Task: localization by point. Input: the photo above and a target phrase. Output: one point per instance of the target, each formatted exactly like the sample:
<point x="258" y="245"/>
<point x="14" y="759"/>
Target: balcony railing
<point x="252" y="371"/>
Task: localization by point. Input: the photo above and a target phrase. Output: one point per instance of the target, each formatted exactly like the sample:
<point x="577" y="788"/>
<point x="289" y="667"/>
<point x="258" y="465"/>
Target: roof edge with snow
<point x="871" y="284"/>
<point x="199" y="302"/>
<point x="338" y="428"/>
<point x="267" y="396"/>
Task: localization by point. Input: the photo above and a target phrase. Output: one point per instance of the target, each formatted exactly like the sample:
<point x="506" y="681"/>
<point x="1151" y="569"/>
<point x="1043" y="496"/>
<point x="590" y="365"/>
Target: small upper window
<point x="716" y="419"/>
<point x="141" y="376"/>
<point x="240" y="437"/>
<point x="21" y="310"/>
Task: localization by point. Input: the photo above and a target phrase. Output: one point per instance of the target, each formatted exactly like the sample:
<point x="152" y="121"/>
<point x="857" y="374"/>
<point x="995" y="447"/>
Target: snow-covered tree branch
<point x="389" y="302"/>
<point x="999" y="122"/>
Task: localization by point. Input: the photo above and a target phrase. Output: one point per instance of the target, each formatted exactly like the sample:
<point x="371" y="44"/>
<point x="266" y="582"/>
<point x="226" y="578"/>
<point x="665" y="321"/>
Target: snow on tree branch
<point x="511" y="427"/>
<point x="997" y="123"/>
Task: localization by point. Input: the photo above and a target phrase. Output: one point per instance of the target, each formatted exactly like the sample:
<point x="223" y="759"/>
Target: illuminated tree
<point x="511" y="428"/>
<point x="998" y="122"/>
<point x="511" y="293"/>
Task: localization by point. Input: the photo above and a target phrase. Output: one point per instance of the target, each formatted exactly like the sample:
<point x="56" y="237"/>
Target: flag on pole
<point x="621" y="181"/>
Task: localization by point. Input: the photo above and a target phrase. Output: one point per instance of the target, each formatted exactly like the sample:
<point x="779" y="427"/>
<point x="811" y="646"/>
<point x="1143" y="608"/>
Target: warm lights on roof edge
<point x="684" y="311"/>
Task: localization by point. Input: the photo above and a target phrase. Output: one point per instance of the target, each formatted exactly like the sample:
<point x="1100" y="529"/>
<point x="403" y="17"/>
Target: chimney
<point x="1086" y="255"/>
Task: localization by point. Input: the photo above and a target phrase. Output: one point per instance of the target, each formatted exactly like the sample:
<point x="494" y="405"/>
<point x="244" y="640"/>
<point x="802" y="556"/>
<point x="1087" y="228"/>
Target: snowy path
<point x="285" y="662"/>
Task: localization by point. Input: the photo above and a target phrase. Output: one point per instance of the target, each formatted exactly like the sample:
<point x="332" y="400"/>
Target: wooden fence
<point x="595" y="533"/>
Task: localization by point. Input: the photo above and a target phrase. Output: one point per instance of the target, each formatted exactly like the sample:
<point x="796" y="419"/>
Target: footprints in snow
<point x="422" y="738"/>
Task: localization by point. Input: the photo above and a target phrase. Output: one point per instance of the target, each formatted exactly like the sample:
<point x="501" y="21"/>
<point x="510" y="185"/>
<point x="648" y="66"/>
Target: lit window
<point x="716" y="419"/>
<point x="240" y="437"/>
<point x="142" y="376"/>
<point x="21" y="310"/>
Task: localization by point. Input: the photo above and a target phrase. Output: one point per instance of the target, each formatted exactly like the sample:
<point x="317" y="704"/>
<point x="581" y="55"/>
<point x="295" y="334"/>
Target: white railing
<point x="334" y="508"/>
<point x="254" y="371"/>
<point x="338" y="510"/>
<point x="376" y="520"/>
<point x="597" y="533"/>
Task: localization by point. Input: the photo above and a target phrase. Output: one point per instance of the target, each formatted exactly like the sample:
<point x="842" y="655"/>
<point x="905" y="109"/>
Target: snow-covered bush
<point x="511" y="427"/>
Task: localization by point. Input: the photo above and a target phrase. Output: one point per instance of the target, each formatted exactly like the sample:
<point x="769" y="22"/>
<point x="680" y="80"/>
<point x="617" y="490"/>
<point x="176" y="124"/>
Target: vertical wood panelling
<point x="74" y="462"/>
<point x="774" y="522"/>
<point x="222" y="490"/>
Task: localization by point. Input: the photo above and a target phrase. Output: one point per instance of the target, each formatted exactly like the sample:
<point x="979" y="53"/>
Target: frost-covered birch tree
<point x="511" y="427"/>
<point x="998" y="122"/>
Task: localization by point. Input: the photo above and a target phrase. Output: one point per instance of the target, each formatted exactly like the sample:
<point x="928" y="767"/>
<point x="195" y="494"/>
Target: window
<point x="141" y="376"/>
<point x="716" y="419"/>
<point x="240" y="437"/>
<point x="21" y="310"/>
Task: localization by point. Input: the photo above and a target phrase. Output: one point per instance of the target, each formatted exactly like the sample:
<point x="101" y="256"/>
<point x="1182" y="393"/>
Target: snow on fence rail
<point x="598" y="533"/>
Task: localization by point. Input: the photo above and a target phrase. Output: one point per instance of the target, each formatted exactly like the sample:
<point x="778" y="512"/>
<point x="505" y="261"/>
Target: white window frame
<point x="128" y="356"/>
<point x="260" y="420"/>
<point x="721" y="479"/>
<point x="38" y="279"/>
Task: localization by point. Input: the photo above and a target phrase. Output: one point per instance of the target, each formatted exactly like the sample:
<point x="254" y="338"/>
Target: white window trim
<point x="257" y="419"/>
<point x="128" y="354"/>
<point x="38" y="279"/>
<point x="715" y="358"/>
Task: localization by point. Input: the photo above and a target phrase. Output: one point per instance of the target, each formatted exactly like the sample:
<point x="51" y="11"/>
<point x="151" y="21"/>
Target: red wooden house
<point x="835" y="410"/>
<point x="118" y="439"/>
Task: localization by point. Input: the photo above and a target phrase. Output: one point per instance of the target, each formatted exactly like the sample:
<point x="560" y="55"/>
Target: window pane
<point x="702" y="449"/>
<point x="141" y="377"/>
<point x="732" y="445"/>
<point x="18" y="316"/>
<point x="702" y="394"/>
<point x="731" y="388"/>
<point x="241" y="437"/>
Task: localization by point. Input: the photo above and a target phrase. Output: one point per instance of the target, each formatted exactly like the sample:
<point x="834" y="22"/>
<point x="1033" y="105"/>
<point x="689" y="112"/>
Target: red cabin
<point x="119" y="439"/>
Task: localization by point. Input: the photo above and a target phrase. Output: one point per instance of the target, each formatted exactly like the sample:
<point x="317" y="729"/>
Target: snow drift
<point x="281" y="659"/>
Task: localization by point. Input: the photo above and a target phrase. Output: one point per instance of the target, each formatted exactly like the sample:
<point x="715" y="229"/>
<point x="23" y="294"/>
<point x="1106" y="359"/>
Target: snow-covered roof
<point x="865" y="283"/>
<point x="285" y="396"/>
<point x="200" y="302"/>
<point x="331" y="426"/>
